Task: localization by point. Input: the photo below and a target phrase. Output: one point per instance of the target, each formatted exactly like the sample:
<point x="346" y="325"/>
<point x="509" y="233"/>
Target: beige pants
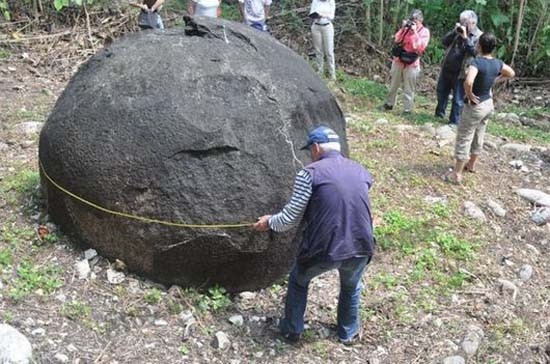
<point x="323" y="42"/>
<point x="406" y="76"/>
<point x="471" y="129"/>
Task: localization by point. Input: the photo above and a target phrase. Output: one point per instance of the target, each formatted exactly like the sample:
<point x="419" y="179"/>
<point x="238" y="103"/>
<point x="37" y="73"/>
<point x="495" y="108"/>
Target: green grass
<point x="363" y="87"/>
<point x="76" y="310"/>
<point x="231" y="12"/>
<point x="153" y="296"/>
<point x="31" y="278"/>
<point x="517" y="133"/>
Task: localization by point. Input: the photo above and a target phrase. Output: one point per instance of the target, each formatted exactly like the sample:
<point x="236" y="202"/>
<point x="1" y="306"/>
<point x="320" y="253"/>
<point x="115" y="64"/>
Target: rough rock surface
<point x="199" y="126"/>
<point x="15" y="348"/>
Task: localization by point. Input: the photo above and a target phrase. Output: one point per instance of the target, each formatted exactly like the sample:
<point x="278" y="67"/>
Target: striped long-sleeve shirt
<point x="293" y="211"/>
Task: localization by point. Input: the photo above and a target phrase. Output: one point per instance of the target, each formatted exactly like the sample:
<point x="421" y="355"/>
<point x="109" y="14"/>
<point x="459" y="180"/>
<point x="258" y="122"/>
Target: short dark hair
<point x="487" y="42"/>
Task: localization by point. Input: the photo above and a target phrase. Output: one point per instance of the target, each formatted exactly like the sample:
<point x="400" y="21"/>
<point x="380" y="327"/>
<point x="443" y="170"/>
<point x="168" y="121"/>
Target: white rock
<point x="115" y="277"/>
<point x="508" y="118"/>
<point x="541" y="216"/>
<point x="428" y="128"/>
<point x="221" y="341"/>
<point x="186" y="316"/>
<point x="90" y="254"/>
<point x="432" y="200"/>
<point x="61" y="358"/>
<point x="82" y="269"/>
<point x="507" y="286"/>
<point x="489" y="145"/>
<point x="473" y="211"/>
<point x="516" y="163"/>
<point x="445" y="135"/>
<point x="161" y="323"/>
<point x="3" y="147"/>
<point x="471" y="342"/>
<point x="381" y="122"/>
<point x="236" y="320"/>
<point x="38" y="332"/>
<point x="454" y="360"/>
<point x="246" y="295"/>
<point x="534" y="196"/>
<point x="30" y="127"/>
<point x="403" y="128"/>
<point x="15" y="348"/>
<point x="516" y="148"/>
<point x="525" y="272"/>
<point x="496" y="208"/>
<point x="71" y="348"/>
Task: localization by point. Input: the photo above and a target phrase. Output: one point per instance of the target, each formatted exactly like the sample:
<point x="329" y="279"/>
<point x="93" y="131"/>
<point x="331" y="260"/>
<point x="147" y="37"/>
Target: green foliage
<point x="231" y="11"/>
<point x="184" y="349"/>
<point x="31" y="278"/>
<point x="6" y="258"/>
<point x="24" y="182"/>
<point x="5" y="10"/>
<point x="363" y="87"/>
<point x="75" y="310"/>
<point x="518" y="133"/>
<point x="153" y="296"/>
<point x="454" y="247"/>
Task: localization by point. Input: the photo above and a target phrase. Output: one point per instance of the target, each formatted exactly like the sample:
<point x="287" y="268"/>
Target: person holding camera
<point x="461" y="48"/>
<point x="149" y="17"/>
<point x="483" y="72"/>
<point x="322" y="33"/>
<point x="410" y="42"/>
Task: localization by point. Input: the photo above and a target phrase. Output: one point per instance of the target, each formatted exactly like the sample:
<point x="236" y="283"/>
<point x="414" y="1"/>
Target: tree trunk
<point x="518" y="29"/>
<point x="368" y="22"/>
<point x="381" y="24"/>
<point x="541" y="20"/>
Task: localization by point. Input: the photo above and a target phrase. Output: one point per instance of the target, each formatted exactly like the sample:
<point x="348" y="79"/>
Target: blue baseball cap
<point x="321" y="135"/>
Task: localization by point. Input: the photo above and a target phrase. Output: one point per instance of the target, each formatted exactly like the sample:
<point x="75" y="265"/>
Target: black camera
<point x="409" y="23"/>
<point x="460" y="30"/>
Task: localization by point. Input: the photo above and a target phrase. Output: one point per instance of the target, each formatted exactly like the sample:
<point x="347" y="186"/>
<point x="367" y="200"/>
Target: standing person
<point x="405" y="68"/>
<point x="150" y="6"/>
<point x="208" y="8"/>
<point x="255" y="13"/>
<point x="461" y="48"/>
<point x="482" y="74"/>
<point x="322" y="33"/>
<point x="332" y="194"/>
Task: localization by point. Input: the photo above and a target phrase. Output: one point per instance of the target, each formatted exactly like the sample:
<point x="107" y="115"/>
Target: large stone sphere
<point x="200" y="125"/>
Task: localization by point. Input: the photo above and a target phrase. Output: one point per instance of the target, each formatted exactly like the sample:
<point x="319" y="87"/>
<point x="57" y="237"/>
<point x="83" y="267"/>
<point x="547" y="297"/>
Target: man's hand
<point x="262" y="224"/>
<point x="473" y="98"/>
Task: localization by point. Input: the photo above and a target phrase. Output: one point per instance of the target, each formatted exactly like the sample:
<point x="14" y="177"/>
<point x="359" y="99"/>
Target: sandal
<point x="452" y="180"/>
<point x="468" y="169"/>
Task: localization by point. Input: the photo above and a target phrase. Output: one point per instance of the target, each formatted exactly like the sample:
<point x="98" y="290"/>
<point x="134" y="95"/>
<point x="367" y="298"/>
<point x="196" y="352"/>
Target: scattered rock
<point x="381" y="122"/>
<point x="445" y="135"/>
<point x="489" y="145"/>
<point x="516" y="163"/>
<point x="534" y="196"/>
<point x="29" y="127"/>
<point x="403" y="128"/>
<point x="236" y="320"/>
<point x="38" y="332"/>
<point x="115" y="277"/>
<point x="454" y="360"/>
<point x="496" y="208"/>
<point x="525" y="272"/>
<point x="508" y="118"/>
<point x="473" y="211"/>
<point x="221" y="341"/>
<point x="61" y="358"/>
<point x="432" y="200"/>
<point x="161" y="323"/>
<point x="3" y="147"/>
<point x="186" y="316"/>
<point x="71" y="348"/>
<point x="15" y="348"/>
<point x="82" y="269"/>
<point x="246" y="295"/>
<point x="507" y="286"/>
<point x="471" y="342"/>
<point x="90" y="254"/>
<point x="541" y="216"/>
<point x="428" y="128"/>
<point x="516" y="148"/>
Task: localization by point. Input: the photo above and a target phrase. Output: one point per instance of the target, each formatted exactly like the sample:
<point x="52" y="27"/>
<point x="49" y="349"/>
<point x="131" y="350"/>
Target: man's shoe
<point x="352" y="340"/>
<point x="292" y="338"/>
<point x="387" y="107"/>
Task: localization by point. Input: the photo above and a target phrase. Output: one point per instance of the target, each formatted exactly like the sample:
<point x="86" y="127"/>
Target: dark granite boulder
<point x="200" y="125"/>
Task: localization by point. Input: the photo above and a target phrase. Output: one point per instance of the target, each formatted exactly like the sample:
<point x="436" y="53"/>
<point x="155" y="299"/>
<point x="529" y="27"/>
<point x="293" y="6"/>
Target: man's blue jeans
<point x="445" y="85"/>
<point x="350" y="271"/>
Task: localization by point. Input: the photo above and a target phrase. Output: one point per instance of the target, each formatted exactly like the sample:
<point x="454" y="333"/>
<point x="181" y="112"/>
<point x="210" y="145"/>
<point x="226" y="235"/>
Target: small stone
<point x="496" y="208"/>
<point x="516" y="148"/>
<point x="71" y="348"/>
<point x="246" y="295"/>
<point x="489" y="145"/>
<point x="29" y="127"/>
<point x="445" y="135"/>
<point x="186" y="317"/>
<point x="456" y="359"/>
<point x="381" y="122"/>
<point x="507" y="286"/>
<point x="90" y="254"/>
<point x="534" y="196"/>
<point x="82" y="269"/>
<point x="473" y="211"/>
<point x="508" y="118"/>
<point x="471" y="342"/>
<point x="403" y="128"/>
<point x="38" y="332"/>
<point x="428" y="128"/>
<point x="115" y="277"/>
<point x="324" y="332"/>
<point x="433" y="200"/>
<point x="161" y="323"/>
<point x="12" y="69"/>
<point x="30" y="322"/>
<point x="15" y="348"/>
<point x="221" y="341"/>
<point x="516" y="163"/>
<point x="3" y="147"/>
<point x="541" y="216"/>
<point x="236" y="320"/>
<point x="525" y="272"/>
<point x="61" y="358"/>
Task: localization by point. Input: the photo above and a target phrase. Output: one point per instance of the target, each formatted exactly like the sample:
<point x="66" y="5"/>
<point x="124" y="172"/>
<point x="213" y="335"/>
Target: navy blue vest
<point x="338" y="222"/>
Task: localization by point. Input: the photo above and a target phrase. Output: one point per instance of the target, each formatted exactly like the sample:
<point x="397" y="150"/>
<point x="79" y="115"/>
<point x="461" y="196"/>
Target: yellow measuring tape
<point x="135" y="217"/>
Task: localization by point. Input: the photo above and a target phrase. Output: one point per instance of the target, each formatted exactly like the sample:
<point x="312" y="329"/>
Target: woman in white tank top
<point x="208" y="8"/>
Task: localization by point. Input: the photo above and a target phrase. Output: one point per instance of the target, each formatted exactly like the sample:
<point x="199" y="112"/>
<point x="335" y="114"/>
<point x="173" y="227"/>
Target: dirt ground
<point x="406" y="318"/>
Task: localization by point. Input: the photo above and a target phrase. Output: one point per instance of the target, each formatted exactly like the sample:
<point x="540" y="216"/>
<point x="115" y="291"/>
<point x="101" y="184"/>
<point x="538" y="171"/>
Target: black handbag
<point x="399" y="52"/>
<point x="147" y="20"/>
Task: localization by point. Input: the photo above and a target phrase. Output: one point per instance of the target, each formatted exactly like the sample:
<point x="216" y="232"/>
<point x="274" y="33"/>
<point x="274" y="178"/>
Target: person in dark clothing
<point x="151" y="6"/>
<point x="483" y="72"/>
<point x="332" y="195"/>
<point x="461" y="48"/>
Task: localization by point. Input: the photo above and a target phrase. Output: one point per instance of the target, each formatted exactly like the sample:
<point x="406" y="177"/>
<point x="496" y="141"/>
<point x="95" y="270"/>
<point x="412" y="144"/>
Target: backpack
<point x="148" y="20"/>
